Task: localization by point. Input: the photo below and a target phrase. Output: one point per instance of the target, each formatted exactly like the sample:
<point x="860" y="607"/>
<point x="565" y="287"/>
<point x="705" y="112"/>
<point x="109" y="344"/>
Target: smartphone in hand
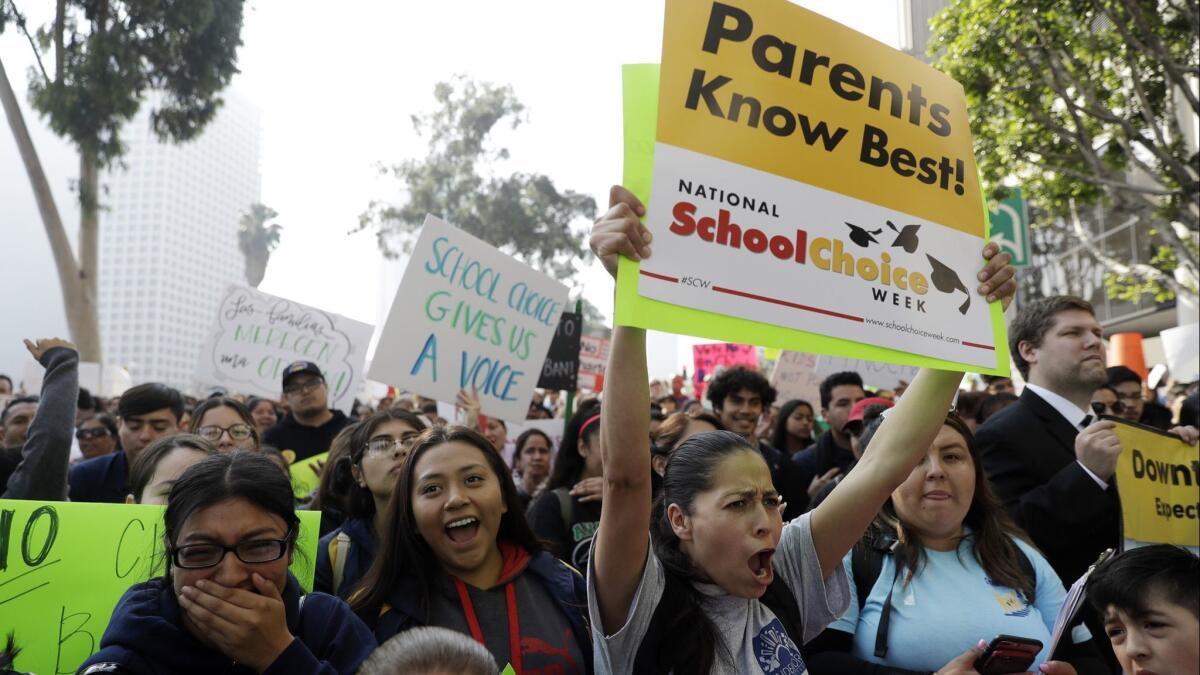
<point x="1008" y="654"/>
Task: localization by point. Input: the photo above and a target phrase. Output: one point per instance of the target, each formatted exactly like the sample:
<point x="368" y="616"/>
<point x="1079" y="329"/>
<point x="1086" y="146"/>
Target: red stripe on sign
<point x="978" y="346"/>
<point x="663" y="277"/>
<point x="785" y="303"/>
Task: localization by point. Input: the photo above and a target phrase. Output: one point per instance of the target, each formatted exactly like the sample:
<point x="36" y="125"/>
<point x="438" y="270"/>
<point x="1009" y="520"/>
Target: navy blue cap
<point x="301" y="367"/>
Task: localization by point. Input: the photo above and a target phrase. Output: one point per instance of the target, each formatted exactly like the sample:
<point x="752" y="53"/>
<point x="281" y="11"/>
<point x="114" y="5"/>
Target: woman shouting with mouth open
<point x="721" y="584"/>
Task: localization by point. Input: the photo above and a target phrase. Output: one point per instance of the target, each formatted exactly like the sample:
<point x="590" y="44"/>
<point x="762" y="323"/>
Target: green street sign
<point x="1010" y="227"/>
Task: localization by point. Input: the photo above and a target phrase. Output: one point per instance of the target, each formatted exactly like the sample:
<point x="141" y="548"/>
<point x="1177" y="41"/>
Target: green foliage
<point x="1078" y="100"/>
<point x="114" y="52"/>
<point x="254" y="235"/>
<point x="521" y="213"/>
<point x="1131" y="288"/>
<point x="256" y="240"/>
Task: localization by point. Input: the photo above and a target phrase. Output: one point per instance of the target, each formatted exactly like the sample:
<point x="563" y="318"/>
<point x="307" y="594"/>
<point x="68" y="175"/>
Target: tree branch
<point x="60" y="19"/>
<point x="1156" y="48"/>
<point x="25" y="31"/>
<point x="1108" y="182"/>
<point x="1181" y="174"/>
<point x="1141" y="270"/>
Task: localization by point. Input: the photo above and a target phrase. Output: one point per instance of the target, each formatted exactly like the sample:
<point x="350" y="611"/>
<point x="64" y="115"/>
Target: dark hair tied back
<point x="693" y="647"/>
<point x="568" y="463"/>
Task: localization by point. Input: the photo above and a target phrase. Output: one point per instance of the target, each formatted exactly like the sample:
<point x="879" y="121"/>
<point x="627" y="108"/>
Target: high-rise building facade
<point x="168" y="239"/>
<point x="914" y="25"/>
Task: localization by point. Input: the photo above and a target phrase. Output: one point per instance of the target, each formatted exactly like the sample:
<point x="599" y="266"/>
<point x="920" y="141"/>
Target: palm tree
<point x="256" y="240"/>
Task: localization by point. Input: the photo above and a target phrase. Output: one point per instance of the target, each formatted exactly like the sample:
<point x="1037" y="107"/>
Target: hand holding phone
<point x="1007" y="654"/>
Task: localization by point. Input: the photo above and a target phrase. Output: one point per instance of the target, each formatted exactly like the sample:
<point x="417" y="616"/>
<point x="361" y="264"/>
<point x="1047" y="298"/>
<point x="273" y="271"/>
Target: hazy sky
<point x="337" y="85"/>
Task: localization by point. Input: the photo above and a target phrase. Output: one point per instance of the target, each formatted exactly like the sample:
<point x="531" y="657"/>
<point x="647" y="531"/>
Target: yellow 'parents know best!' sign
<point x="1157" y="476"/>
<point x="812" y="189"/>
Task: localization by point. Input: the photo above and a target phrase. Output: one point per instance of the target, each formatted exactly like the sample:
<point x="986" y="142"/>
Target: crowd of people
<point x="864" y="532"/>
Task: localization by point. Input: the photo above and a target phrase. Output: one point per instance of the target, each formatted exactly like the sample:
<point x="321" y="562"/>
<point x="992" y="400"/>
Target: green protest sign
<point x="306" y="474"/>
<point x="1009" y="220"/>
<point x="640" y="107"/>
<point x="64" y="566"/>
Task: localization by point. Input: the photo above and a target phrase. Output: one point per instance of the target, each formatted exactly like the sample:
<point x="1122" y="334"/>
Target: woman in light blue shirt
<point x="962" y="572"/>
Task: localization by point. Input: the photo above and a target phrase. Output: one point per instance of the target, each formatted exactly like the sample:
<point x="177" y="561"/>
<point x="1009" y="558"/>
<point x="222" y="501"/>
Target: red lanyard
<point x="514" y="632"/>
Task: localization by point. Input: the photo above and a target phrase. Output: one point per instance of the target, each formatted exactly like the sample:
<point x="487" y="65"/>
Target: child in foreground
<point x="1149" y="598"/>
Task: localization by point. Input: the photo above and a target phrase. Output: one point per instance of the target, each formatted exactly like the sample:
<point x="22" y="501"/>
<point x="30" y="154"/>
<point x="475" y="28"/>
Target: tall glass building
<point x="168" y="239"/>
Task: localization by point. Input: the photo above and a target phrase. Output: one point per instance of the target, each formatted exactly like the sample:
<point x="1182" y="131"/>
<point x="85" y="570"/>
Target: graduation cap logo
<point x="862" y="237"/>
<point x="906" y="238"/>
<point x="946" y="280"/>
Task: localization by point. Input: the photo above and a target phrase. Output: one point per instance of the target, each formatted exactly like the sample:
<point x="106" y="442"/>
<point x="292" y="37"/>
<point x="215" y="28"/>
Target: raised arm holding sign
<point x="719" y="505"/>
<point x="809" y="188"/>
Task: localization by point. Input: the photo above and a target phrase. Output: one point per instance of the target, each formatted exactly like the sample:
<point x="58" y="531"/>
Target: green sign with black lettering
<point x="64" y="566"/>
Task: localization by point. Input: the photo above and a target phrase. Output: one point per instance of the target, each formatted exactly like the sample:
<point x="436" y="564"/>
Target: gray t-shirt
<point x="749" y="631"/>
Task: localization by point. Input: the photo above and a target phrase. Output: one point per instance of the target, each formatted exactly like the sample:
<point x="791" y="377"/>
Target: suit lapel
<point x="1055" y="423"/>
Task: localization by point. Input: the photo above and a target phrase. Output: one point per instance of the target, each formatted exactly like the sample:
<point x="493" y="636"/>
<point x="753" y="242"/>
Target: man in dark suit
<point x="1050" y="463"/>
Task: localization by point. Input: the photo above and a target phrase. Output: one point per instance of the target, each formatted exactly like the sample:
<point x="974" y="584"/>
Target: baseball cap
<point x="856" y="413"/>
<point x="301" y="367"/>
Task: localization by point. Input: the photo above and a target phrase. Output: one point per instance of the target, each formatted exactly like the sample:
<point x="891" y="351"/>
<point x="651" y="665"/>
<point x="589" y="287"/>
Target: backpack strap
<point x="564" y="505"/>
<point x="339" y="550"/>
<point x="866" y="564"/>
<point x="885" y="617"/>
<point x="1027" y="567"/>
<point x="782" y="602"/>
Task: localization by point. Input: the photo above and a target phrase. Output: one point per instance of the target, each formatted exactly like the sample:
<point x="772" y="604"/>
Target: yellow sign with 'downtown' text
<point x="1158" y="477"/>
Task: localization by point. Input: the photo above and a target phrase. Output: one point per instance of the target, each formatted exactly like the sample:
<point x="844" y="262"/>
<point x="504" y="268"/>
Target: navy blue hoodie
<point x="359" y="556"/>
<point x="146" y="636"/>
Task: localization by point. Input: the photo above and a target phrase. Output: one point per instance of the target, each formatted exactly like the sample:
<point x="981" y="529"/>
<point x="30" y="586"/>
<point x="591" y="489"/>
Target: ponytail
<point x="694" y="638"/>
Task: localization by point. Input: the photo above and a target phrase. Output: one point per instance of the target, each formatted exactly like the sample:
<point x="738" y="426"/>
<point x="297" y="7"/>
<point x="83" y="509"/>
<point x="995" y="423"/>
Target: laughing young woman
<point x="456" y="552"/>
<point x="722" y="585"/>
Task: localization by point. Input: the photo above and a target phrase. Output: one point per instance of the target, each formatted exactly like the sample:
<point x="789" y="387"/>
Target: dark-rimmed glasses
<point x="303" y="387"/>
<point x="238" y="432"/>
<point x="251" y="552"/>
<point x="383" y="445"/>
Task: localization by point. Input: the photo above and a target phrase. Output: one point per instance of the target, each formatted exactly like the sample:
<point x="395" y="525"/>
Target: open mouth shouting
<point x="760" y="566"/>
<point x="463" y="530"/>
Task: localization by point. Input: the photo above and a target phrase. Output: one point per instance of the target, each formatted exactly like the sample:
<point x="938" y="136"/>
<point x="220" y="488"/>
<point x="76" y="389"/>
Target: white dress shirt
<point x="1074" y="416"/>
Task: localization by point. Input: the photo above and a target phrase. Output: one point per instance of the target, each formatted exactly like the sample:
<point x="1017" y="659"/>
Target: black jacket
<point x="304" y="441"/>
<point x="1028" y="453"/>
<point x="789" y="480"/>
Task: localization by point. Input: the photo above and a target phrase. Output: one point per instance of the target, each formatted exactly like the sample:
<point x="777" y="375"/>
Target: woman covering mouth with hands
<point x="227" y="603"/>
<point x="721" y="585"/>
<point x="456" y="552"/>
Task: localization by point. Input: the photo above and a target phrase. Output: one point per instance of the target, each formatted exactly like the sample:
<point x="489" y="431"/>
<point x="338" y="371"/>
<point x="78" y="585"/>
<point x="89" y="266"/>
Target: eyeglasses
<point x="252" y="552"/>
<point x="303" y="387"/>
<point x="238" y="432"/>
<point x="383" y="445"/>
<point x="84" y="434"/>
<point x="1101" y="408"/>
